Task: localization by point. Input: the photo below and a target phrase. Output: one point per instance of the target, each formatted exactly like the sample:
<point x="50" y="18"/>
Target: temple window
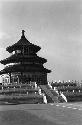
<point x="18" y="51"/>
<point x="25" y="50"/>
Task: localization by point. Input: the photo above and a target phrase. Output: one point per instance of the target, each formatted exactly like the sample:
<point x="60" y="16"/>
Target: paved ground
<point x="41" y="114"/>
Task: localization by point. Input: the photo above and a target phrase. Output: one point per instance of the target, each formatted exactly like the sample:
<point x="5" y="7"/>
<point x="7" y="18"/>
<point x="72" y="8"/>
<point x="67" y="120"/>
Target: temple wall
<point x="39" y="77"/>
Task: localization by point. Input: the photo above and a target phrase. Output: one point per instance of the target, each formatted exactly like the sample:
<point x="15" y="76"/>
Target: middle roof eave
<point x="18" y="58"/>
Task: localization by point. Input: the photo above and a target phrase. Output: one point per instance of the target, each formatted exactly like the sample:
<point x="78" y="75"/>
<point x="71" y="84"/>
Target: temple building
<point x="24" y="65"/>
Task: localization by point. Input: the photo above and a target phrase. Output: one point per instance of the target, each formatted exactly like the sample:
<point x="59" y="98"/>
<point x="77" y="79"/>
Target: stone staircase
<point x="51" y="98"/>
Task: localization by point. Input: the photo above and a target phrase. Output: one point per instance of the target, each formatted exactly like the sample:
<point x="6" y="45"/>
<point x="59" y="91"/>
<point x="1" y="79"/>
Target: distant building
<point x="24" y="65"/>
<point x="5" y="79"/>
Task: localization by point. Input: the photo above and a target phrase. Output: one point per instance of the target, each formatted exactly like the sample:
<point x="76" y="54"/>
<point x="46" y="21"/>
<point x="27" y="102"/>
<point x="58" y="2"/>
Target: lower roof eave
<point x="8" y="72"/>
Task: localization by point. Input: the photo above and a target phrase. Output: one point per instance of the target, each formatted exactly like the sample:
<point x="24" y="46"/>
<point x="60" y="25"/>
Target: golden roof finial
<point x="23" y="33"/>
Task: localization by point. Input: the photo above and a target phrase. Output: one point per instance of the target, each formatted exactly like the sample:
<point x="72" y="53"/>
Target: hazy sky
<point x="55" y="25"/>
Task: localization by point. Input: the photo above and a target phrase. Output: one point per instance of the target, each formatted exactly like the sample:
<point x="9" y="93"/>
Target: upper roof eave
<point x="22" y="42"/>
<point x="16" y="46"/>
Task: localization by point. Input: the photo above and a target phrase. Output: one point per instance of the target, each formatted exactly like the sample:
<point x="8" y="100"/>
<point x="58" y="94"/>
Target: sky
<point x="54" y="25"/>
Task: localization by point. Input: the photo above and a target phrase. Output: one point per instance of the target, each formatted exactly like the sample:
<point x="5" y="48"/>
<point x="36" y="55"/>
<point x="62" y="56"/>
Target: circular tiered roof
<point x="24" y="61"/>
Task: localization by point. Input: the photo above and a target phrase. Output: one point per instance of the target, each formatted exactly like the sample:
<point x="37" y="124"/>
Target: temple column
<point x="10" y="78"/>
<point x="18" y="79"/>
